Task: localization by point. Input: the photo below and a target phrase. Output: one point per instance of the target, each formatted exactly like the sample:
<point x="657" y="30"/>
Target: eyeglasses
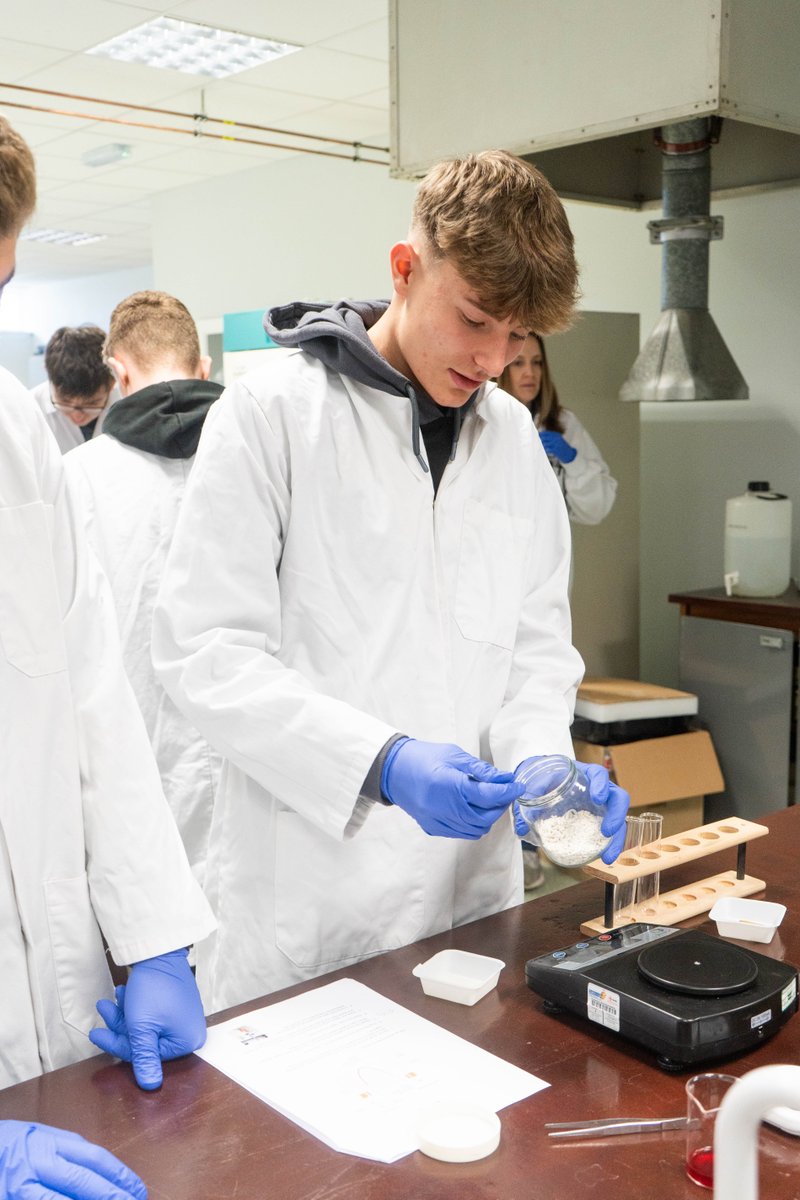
<point x="80" y="408"/>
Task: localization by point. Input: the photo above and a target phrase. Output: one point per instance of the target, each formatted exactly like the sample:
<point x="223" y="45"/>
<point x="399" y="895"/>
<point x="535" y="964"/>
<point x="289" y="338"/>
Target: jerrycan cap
<point x="758" y="485"/>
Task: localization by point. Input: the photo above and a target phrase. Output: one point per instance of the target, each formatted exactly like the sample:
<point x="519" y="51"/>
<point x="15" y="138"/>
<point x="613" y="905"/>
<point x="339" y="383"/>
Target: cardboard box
<point x="658" y="773"/>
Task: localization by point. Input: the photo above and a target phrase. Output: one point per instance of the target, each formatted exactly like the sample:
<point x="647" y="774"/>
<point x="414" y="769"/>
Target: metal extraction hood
<point x="582" y="89"/>
<point x="685" y="357"/>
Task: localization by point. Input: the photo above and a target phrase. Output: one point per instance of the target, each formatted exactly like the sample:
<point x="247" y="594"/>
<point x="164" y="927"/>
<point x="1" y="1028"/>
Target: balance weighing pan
<point x="686" y="995"/>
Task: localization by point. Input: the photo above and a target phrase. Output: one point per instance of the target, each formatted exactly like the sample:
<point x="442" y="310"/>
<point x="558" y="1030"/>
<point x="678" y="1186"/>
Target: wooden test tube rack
<point x="670" y="907"/>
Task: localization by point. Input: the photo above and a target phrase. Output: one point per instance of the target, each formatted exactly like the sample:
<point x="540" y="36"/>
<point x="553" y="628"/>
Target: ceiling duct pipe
<point x="685" y="357"/>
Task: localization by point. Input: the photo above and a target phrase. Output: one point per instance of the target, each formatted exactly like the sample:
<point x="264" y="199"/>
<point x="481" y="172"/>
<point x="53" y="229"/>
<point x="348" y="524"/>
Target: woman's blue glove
<point x="158" y="1015"/>
<point x="557" y="446"/>
<point x="38" y="1162"/>
<point x="602" y="791"/>
<point x="448" y="792"/>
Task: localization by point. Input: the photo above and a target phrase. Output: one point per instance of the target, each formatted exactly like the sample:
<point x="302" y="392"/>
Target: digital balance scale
<point x="682" y="993"/>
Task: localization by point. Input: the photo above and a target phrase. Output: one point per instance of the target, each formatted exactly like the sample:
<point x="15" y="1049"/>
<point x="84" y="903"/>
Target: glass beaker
<point x="560" y="812"/>
<point x="704" y="1095"/>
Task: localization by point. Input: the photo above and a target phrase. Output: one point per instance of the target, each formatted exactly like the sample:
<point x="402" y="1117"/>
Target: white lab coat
<point x="86" y="839"/>
<point x="588" y="486"/>
<point x="66" y="432"/>
<point x="129" y="501"/>
<point x="315" y="602"/>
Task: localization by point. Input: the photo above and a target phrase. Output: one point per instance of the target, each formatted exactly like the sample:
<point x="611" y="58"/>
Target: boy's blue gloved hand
<point x="158" y="1015"/>
<point x="448" y="792"/>
<point x="617" y="802"/>
<point x="38" y="1162"/>
<point x="557" y="446"/>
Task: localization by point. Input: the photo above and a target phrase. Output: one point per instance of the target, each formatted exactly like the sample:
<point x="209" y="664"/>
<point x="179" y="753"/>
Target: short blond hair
<point x="500" y="224"/>
<point x="154" y="328"/>
<point x="17" y="181"/>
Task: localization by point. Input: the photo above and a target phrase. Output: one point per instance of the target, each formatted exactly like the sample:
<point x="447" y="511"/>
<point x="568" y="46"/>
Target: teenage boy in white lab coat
<point x="128" y="486"/>
<point x="87" y="844"/>
<point x="365" y="603"/>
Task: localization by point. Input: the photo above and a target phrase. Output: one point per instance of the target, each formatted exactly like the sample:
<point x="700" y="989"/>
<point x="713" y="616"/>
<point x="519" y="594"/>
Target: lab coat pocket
<point x="79" y="961"/>
<point x="337" y="902"/>
<point x="30" y="617"/>
<point x="492" y="565"/>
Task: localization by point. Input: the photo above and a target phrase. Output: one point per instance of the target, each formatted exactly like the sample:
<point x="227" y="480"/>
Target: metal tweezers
<point x="611" y="1126"/>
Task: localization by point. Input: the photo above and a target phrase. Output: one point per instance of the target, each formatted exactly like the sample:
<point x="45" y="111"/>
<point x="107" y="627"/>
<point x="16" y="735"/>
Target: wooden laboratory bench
<point x="204" y="1138"/>
<point x="774" y="612"/>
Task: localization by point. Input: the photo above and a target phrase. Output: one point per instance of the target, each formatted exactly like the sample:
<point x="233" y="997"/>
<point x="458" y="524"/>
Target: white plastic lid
<point x="459" y="1132"/>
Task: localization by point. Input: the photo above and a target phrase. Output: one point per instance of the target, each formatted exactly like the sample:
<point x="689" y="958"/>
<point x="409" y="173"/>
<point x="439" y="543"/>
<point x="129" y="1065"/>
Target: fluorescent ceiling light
<point x="196" y="49"/>
<point x="61" y="237"/>
<point x="102" y="156"/>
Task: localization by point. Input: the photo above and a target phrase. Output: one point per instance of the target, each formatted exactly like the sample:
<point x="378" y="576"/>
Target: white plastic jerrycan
<point x="758" y="542"/>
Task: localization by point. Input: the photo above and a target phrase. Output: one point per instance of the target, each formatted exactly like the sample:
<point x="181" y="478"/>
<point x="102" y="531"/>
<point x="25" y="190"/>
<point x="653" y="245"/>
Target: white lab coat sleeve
<point x="589" y="487"/>
<point x="217" y="625"/>
<point x="143" y="893"/>
<point x="546" y="668"/>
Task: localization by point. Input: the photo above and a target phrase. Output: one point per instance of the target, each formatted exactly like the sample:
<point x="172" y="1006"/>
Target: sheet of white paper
<point x="356" y="1069"/>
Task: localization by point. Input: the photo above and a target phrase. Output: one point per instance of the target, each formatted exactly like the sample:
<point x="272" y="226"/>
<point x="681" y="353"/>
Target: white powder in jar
<point x="573" y="839"/>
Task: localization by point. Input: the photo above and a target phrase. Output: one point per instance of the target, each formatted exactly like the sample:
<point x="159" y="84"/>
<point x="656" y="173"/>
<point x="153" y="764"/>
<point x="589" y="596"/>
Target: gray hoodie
<point x="336" y="334"/>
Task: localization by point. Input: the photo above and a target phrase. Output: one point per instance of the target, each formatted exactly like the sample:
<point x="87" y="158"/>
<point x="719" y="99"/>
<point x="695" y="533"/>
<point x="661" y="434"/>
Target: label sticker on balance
<point x="761" y="1018"/>
<point x="789" y="994"/>
<point x="602" y="1006"/>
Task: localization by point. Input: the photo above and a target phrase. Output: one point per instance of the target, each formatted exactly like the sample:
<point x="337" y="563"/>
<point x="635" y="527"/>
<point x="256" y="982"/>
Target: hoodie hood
<point x="164" y="418"/>
<point x="337" y="335"/>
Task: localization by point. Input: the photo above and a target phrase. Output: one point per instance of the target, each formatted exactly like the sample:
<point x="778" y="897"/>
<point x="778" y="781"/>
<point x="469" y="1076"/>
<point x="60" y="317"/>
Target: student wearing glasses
<point x="79" y="387"/>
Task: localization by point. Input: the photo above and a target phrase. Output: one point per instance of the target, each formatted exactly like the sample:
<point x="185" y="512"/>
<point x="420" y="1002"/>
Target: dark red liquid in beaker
<point x="700" y="1166"/>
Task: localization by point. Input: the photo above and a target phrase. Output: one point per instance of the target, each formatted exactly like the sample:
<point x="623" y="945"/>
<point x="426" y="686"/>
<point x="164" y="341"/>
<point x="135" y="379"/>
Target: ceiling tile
<point x="303" y="23"/>
<point x="68" y="25"/>
<point x="349" y="121"/>
<point x="328" y="74"/>
<point x="18" y="59"/>
<point x="371" y="41"/>
<point x="228" y="100"/>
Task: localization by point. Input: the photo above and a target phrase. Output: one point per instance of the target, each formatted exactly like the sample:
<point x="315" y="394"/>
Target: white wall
<point x="41" y="308"/>
<point x="694" y="456"/>
<point x="313" y="229"/>
<point x="305" y="228"/>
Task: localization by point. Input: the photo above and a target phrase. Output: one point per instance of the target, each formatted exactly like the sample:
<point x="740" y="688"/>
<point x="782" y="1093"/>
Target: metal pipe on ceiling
<point x="198" y="128"/>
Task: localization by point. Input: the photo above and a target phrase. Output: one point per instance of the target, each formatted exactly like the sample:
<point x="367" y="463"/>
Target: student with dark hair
<point x="78" y="390"/>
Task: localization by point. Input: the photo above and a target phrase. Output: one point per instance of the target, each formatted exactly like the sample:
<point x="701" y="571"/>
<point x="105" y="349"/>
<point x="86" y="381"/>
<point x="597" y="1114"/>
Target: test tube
<point x="625" y="893"/>
<point x="649" y="886"/>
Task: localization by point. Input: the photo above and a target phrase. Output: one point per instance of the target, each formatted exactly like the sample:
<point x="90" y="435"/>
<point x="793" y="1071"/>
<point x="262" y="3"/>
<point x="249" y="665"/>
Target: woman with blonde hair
<point x="588" y="486"/>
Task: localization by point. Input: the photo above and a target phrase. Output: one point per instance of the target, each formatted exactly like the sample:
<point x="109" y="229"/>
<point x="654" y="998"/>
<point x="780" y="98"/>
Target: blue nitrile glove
<point x="602" y="791"/>
<point x="557" y="446"/>
<point x="38" y="1162"/>
<point x="158" y="1015"/>
<point x="448" y="792"/>
<point x="617" y="802"/>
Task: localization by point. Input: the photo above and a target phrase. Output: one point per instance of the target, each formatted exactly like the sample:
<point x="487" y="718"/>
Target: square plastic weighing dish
<point x="458" y="975"/>
<point x="747" y="920"/>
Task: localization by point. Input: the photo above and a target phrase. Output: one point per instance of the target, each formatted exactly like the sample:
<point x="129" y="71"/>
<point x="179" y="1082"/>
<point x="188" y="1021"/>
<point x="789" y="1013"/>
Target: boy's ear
<point x="120" y="373"/>
<point x="403" y="259"/>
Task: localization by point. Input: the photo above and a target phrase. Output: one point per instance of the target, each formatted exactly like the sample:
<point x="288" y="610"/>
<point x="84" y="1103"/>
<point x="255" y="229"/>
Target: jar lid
<point x="459" y="1131"/>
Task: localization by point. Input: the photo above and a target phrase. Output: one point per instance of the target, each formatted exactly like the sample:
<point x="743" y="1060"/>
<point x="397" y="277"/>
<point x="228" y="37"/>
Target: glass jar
<point x="558" y="808"/>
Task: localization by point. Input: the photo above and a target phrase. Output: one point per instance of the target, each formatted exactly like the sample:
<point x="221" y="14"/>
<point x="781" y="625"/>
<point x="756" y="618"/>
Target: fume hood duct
<point x="685" y="357"/>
